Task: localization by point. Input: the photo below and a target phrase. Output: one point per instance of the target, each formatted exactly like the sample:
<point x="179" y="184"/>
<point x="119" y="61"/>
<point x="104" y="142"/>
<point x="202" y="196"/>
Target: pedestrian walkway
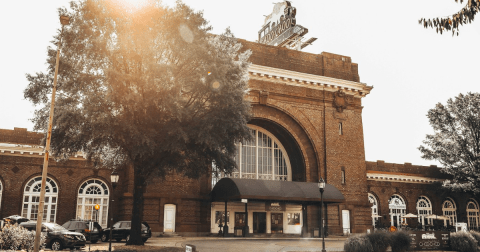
<point x="240" y="244"/>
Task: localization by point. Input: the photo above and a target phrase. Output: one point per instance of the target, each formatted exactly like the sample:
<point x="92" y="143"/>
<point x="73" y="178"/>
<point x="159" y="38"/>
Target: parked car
<point x="83" y="226"/>
<point x="14" y="219"/>
<point x="58" y="237"/>
<point x="121" y="230"/>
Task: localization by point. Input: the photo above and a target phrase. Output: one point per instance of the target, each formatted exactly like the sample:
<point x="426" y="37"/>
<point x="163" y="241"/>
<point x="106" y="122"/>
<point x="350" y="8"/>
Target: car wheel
<point x="127" y="238"/>
<point x="118" y="239"/>
<point x="94" y="241"/>
<point x="56" y="245"/>
<point x="104" y="238"/>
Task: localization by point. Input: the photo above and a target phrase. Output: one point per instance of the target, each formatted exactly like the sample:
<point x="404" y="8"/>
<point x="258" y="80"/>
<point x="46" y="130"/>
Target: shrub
<point x="358" y="244"/>
<point x="400" y="241"/>
<point x="476" y="236"/>
<point x="13" y="237"/>
<point x="463" y="242"/>
<point x="379" y="240"/>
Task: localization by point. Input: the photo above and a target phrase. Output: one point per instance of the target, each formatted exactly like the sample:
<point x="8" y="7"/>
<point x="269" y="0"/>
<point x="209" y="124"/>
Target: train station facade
<point x="307" y="124"/>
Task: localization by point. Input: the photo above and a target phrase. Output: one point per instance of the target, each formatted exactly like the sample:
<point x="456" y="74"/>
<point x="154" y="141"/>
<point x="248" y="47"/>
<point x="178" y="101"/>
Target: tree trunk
<point x="137" y="210"/>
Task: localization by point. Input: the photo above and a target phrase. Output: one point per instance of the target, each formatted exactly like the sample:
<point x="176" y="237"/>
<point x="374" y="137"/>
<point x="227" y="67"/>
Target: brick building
<point x="307" y="123"/>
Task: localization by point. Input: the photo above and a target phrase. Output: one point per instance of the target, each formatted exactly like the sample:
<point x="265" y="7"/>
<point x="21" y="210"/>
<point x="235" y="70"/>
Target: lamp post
<point x="114" y="180"/>
<point x="64" y="20"/>
<point x="321" y="186"/>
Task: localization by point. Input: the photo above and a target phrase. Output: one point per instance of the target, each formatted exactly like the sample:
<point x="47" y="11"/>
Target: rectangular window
<point x="340" y="129"/>
<point x="343" y="175"/>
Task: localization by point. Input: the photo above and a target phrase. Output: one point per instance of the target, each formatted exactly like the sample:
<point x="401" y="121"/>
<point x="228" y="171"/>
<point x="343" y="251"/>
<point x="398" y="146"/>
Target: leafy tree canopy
<point x="453" y="22"/>
<point x="148" y="88"/>
<point x="456" y="141"/>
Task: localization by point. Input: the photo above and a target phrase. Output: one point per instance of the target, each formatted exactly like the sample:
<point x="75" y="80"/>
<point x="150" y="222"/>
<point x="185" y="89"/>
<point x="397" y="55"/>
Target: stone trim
<point x="357" y="89"/>
<point x="401" y="178"/>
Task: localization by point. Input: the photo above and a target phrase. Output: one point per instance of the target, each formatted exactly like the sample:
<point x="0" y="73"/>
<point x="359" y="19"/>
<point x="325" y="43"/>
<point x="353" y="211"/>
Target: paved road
<point x="207" y="244"/>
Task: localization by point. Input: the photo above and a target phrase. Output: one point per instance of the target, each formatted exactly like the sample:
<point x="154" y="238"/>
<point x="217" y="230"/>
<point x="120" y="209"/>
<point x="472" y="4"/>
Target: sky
<point x="410" y="68"/>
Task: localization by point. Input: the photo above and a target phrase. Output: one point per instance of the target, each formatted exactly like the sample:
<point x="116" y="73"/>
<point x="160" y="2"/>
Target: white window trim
<point x="238" y="174"/>
<point x="397" y="209"/>
<point x="104" y="198"/>
<point x="473" y="213"/>
<point x="453" y="210"/>
<point x="373" y="200"/>
<point x="422" y="216"/>
<point x="27" y="213"/>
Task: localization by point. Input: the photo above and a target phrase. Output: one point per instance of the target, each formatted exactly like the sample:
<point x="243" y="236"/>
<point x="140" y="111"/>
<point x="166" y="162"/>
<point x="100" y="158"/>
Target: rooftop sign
<point x="280" y="28"/>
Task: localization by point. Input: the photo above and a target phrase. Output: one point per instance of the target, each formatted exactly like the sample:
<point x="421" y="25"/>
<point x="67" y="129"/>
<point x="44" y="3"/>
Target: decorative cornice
<point x="401" y="178"/>
<point x="357" y="89"/>
<point x="17" y="149"/>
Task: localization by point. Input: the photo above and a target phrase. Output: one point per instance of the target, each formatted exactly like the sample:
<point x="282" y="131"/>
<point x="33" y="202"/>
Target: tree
<point x="147" y="88"/>
<point x="453" y="22"/>
<point x="456" y="141"/>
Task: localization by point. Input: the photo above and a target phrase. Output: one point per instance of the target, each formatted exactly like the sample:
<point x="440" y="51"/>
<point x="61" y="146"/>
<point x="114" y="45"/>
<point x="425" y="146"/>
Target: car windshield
<point x="54" y="226"/>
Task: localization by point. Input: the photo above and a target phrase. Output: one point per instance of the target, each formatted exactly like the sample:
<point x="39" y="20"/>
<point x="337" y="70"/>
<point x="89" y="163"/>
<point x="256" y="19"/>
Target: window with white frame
<point x="91" y="193"/>
<point x="373" y="200"/>
<point x="472" y="213"/>
<point x="424" y="208"/>
<point x="397" y="207"/>
<point x="31" y="199"/>
<point x="263" y="157"/>
<point x="449" y="210"/>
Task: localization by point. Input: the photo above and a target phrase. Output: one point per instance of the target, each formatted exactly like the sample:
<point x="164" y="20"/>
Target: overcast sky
<point x="411" y="68"/>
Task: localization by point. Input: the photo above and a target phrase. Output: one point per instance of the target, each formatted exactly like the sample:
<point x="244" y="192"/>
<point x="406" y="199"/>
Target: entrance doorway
<point x="346" y="221"/>
<point x="169" y="218"/>
<point x="259" y="222"/>
<point x="277" y="223"/>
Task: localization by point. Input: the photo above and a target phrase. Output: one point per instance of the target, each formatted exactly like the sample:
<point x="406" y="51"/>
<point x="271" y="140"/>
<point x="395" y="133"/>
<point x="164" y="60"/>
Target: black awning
<point x="235" y="189"/>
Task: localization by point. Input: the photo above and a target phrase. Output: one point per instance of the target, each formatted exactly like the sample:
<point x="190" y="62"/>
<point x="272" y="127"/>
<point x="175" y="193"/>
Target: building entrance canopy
<point x="232" y="189"/>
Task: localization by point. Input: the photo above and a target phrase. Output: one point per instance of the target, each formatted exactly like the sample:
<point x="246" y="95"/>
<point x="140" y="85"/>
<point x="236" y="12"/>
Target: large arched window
<point x="31" y="199"/>
<point x="472" y="213"/>
<point x="261" y="158"/>
<point x="397" y="207"/>
<point x="424" y="208"/>
<point x="91" y="193"/>
<point x="449" y="210"/>
<point x="372" y="200"/>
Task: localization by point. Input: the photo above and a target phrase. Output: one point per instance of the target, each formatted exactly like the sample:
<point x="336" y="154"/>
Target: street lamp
<point x="64" y="20"/>
<point x="321" y="186"/>
<point x="114" y="180"/>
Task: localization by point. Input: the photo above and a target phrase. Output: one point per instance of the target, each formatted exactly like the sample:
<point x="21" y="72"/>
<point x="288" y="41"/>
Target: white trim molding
<point x="293" y="78"/>
<point x="401" y="178"/>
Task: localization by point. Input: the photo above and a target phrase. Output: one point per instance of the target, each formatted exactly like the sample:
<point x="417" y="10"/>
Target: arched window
<point x="261" y="158"/>
<point x="449" y="210"/>
<point x="31" y="199"/>
<point x="372" y="200"/>
<point x="91" y="193"/>
<point x="424" y="208"/>
<point x="397" y="207"/>
<point x="472" y="213"/>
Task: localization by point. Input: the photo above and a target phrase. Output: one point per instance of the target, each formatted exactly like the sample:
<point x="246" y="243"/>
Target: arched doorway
<point x="472" y="213"/>
<point x="424" y="208"/>
<point x="91" y="193"/>
<point x="373" y="200"/>
<point x="449" y="209"/>
<point x="397" y="207"/>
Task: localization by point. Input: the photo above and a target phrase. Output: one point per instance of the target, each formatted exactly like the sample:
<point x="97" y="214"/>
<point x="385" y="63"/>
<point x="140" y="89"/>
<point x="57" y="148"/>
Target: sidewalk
<point x="240" y="244"/>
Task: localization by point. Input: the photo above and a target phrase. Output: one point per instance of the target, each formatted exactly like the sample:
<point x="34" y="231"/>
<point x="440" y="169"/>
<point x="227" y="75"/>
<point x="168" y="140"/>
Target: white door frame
<point x="346" y="221"/>
<point x="169" y="211"/>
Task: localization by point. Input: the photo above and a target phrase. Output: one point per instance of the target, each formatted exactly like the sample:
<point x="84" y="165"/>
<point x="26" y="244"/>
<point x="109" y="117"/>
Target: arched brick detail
<point x="280" y="117"/>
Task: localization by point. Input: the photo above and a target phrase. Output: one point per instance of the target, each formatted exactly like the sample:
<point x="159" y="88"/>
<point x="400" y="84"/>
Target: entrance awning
<point x="232" y="189"/>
